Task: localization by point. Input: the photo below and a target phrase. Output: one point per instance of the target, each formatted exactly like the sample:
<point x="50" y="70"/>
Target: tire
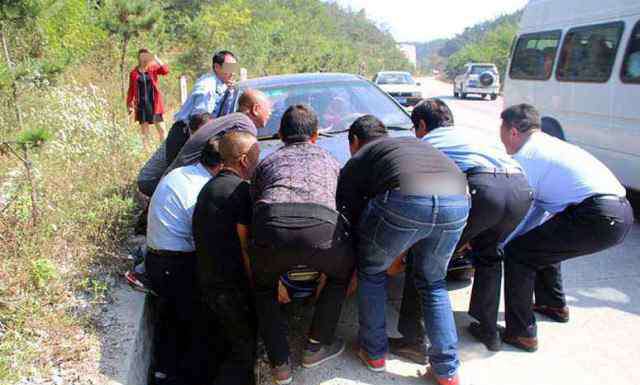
<point x="463" y="95"/>
<point x="483" y="96"/>
<point x="455" y="93"/>
<point x="487" y="79"/>
<point x="494" y="96"/>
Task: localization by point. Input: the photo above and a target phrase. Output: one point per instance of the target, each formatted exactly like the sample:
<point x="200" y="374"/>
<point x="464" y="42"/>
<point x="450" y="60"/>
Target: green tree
<point x="127" y="19"/>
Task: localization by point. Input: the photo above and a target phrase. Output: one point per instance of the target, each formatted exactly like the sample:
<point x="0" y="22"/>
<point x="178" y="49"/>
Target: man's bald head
<point x="256" y="105"/>
<point x="240" y="152"/>
<point x="235" y="144"/>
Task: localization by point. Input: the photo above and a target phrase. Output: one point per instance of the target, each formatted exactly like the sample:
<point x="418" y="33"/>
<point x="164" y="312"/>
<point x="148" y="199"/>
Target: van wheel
<point x="552" y="127"/>
<point x="463" y="95"/>
<point x="494" y="96"/>
<point x="455" y="93"/>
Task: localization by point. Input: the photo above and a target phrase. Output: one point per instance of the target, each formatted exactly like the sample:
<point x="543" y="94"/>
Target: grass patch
<point x="84" y="170"/>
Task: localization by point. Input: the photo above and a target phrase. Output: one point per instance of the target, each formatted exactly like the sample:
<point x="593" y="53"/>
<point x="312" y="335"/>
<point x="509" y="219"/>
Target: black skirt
<point x="144" y="109"/>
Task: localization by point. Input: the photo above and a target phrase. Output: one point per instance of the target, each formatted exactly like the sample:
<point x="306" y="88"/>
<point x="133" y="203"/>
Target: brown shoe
<point x="558" y="314"/>
<point x="528" y="344"/>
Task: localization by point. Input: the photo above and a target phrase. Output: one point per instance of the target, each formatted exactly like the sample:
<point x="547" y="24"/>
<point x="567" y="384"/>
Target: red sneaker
<point x="378" y="365"/>
<point x="455" y="380"/>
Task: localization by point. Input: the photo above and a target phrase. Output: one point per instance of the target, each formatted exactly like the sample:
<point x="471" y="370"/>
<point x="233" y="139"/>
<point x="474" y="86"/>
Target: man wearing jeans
<point x="295" y="222"/>
<point x="580" y="208"/>
<point x="500" y="196"/>
<point x="403" y="194"/>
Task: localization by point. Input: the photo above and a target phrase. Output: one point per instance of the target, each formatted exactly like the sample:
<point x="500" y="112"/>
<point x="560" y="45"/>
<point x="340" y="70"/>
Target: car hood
<point x="400" y="87"/>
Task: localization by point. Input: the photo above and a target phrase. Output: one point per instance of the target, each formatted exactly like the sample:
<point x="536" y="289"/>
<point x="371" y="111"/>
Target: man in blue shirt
<point x="207" y="96"/>
<point x="500" y="198"/>
<point x="579" y="208"/>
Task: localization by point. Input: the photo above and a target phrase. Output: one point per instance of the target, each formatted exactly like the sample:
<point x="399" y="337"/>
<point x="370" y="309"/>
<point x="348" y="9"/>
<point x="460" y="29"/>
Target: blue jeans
<point x="430" y="226"/>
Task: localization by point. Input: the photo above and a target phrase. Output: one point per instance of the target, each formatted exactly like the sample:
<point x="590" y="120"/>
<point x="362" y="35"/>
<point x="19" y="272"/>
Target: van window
<point x="534" y="56"/>
<point x="588" y="53"/>
<point x="631" y="66"/>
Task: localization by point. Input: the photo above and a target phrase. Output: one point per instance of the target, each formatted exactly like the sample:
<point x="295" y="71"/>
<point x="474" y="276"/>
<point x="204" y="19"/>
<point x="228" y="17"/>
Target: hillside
<point x="485" y="41"/>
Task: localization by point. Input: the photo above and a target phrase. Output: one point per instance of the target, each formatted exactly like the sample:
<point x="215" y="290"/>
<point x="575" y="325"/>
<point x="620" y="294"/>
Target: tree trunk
<point x="123" y="73"/>
<point x="14" y="83"/>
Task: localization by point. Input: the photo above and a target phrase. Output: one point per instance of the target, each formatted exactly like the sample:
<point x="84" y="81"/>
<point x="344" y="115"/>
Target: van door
<point x="625" y="119"/>
<point x="586" y="64"/>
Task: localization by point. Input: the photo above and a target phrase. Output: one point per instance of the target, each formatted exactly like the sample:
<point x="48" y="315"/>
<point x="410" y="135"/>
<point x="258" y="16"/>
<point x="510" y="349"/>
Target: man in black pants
<point x="580" y="208"/>
<point x="223" y="211"/>
<point x="500" y="198"/>
<point x="296" y="223"/>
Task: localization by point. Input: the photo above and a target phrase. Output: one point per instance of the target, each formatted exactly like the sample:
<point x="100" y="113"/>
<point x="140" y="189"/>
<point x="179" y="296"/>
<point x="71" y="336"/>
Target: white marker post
<point x="183" y="89"/>
<point x="243" y="74"/>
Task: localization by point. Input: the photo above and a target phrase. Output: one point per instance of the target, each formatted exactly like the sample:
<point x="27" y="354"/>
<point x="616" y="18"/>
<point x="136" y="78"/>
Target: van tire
<point x="552" y="127"/>
<point x="455" y="93"/>
<point x="494" y="96"/>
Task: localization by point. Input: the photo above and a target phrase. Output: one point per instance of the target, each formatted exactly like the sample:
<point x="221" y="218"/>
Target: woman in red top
<point x="144" y="97"/>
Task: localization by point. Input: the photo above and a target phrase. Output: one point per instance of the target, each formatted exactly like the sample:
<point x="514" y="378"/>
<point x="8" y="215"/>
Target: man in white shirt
<point x="579" y="208"/>
<point x="171" y="262"/>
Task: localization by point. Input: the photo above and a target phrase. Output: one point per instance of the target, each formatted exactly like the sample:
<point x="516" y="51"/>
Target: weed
<point x="42" y="272"/>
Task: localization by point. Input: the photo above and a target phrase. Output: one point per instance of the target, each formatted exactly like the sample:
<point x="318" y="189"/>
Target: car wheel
<point x="494" y="96"/>
<point x="483" y="96"/>
<point x="463" y="95"/>
<point x="455" y="93"/>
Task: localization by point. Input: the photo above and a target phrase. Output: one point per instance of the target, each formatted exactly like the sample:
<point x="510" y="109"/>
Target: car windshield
<point x="395" y="79"/>
<point x="338" y="104"/>
<point x="477" y="70"/>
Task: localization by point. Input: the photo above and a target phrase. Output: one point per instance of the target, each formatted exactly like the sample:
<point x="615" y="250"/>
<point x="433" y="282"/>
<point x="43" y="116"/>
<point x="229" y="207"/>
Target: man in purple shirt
<point x="295" y="223"/>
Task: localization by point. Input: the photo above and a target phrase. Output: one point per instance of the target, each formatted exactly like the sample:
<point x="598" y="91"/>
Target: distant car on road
<point x="338" y="99"/>
<point x="477" y="78"/>
<point x="401" y="86"/>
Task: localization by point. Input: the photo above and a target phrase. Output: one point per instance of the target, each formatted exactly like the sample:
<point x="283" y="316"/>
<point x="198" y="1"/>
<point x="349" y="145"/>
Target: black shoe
<point x="416" y="352"/>
<point x="490" y="339"/>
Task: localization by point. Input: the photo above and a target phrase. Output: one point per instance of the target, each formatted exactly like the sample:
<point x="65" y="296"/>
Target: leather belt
<point x="171" y="253"/>
<point x="609" y="197"/>
<point x="494" y="170"/>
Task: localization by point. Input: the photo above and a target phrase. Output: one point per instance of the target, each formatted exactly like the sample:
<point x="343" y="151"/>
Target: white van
<point x="578" y="62"/>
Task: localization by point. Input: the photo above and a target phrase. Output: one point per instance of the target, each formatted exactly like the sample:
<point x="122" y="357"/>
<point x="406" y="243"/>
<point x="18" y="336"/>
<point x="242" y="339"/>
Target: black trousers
<point x="176" y="138"/>
<point x="499" y="202"/>
<point x="178" y="304"/>
<point x="593" y="225"/>
<point x="307" y="235"/>
<point x="234" y="316"/>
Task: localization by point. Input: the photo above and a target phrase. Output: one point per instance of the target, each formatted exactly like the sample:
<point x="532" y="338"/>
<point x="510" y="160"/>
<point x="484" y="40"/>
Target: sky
<point x="424" y="20"/>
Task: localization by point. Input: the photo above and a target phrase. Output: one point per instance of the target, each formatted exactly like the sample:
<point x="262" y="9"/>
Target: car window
<point x="534" y="55"/>
<point x="588" y="53"/>
<point x="395" y="79"/>
<point x="477" y="70"/>
<point x="338" y="104"/>
<point x="631" y="65"/>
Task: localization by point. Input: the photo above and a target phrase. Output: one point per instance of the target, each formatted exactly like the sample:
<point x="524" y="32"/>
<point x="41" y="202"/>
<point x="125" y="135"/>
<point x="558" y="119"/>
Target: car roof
<point x="394" y="72"/>
<point x="481" y="64"/>
<point x="297" y="79"/>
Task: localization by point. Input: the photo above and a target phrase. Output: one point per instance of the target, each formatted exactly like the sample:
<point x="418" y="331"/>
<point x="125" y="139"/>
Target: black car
<point x="338" y="99"/>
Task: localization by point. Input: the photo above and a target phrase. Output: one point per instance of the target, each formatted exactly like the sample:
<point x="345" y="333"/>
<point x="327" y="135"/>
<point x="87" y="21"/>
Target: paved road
<point x="599" y="346"/>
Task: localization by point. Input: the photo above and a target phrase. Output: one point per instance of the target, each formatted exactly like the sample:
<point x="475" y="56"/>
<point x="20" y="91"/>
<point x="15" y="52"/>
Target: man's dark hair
<point x="143" y="50"/>
<point x="197" y="119"/>
<point x="218" y="57"/>
<point x="434" y="112"/>
<point x="367" y="128"/>
<point x="299" y="123"/>
<point x="522" y="117"/>
<point x="210" y="155"/>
